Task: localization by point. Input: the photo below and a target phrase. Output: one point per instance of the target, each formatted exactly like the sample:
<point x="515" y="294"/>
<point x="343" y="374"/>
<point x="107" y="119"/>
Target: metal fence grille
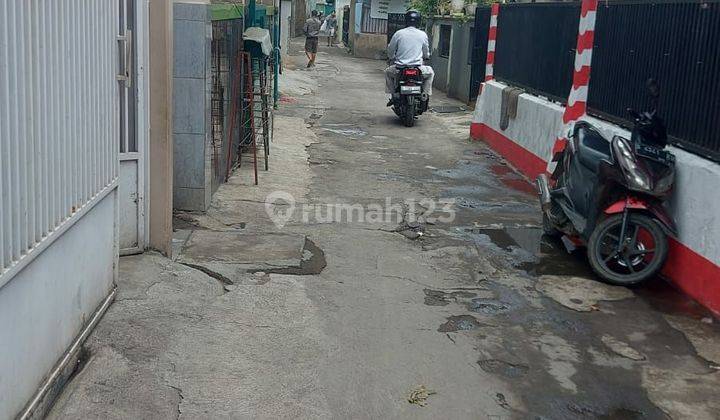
<point x="535" y="46"/>
<point x="58" y="107"/>
<point x="370" y="25"/>
<point x="225" y="46"/>
<point x="395" y="22"/>
<point x="478" y="57"/>
<point x="676" y="43"/>
<point x="346" y="25"/>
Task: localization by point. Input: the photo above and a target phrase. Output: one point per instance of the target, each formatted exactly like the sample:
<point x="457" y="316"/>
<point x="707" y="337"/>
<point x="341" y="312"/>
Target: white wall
<point x="285" y="26"/>
<point x="539" y="122"/>
<point x="46" y="304"/>
<point x="536" y="126"/>
<point x="339" y="5"/>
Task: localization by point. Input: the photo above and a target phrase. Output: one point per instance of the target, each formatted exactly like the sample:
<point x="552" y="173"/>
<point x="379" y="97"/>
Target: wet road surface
<point x="483" y="311"/>
<point x="556" y="354"/>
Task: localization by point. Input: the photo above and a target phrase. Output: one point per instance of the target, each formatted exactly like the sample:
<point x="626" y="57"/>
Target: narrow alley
<point x="407" y="314"/>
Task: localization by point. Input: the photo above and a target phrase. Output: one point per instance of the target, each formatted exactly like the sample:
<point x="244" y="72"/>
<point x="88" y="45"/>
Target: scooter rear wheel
<point x="409" y="117"/>
<point x="642" y="254"/>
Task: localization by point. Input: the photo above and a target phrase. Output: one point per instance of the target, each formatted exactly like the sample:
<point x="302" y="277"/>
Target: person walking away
<point x="409" y="47"/>
<point x="331" y="24"/>
<point x="311" y="31"/>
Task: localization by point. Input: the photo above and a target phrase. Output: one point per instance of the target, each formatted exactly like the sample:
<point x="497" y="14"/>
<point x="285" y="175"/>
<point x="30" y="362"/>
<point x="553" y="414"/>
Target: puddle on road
<point x="480" y="203"/>
<point x="519" y="185"/>
<point x="440" y="298"/>
<point x="620" y="413"/>
<point x="533" y="252"/>
<point x="348" y="132"/>
<point x="460" y="323"/>
<point x="488" y="306"/>
<point x="313" y="262"/>
<point x="501" y="367"/>
<point x="501" y="170"/>
<point x="527" y="249"/>
<point x="464" y="170"/>
<point x="511" y="179"/>
<point x="665" y="298"/>
<point x="488" y="186"/>
<point x="447" y="109"/>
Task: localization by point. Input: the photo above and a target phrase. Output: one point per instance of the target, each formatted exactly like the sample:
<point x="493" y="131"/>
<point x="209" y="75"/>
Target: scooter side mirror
<point x="653" y="88"/>
<point x="636" y="115"/>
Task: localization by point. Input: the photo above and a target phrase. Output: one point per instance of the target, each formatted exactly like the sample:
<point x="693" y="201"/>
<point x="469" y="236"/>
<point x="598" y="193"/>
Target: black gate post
<point x="395" y="22"/>
<point x="479" y="50"/>
<point x="346" y="25"/>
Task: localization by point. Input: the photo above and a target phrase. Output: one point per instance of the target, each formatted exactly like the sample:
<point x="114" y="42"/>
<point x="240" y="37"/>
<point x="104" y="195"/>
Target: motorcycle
<point x="409" y="100"/>
<point x="609" y="195"/>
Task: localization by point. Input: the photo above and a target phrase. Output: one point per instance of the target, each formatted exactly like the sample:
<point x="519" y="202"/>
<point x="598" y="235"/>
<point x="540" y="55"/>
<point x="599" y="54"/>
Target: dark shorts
<point x="311" y="45"/>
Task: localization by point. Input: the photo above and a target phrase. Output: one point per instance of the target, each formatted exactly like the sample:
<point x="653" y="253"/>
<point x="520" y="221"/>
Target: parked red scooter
<point x="609" y="195"/>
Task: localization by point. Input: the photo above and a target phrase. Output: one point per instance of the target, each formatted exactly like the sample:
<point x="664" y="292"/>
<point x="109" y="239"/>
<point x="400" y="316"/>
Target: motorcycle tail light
<point x="411" y="72"/>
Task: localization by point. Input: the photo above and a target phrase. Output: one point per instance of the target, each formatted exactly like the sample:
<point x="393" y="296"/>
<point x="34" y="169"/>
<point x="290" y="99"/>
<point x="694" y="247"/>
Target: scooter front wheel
<point x="632" y="259"/>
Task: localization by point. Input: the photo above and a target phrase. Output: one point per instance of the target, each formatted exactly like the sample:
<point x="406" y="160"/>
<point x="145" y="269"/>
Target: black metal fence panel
<point x="225" y="45"/>
<point x="535" y="47"/>
<point x="479" y="49"/>
<point x="677" y="44"/>
<point x="395" y="22"/>
<point x="346" y="25"/>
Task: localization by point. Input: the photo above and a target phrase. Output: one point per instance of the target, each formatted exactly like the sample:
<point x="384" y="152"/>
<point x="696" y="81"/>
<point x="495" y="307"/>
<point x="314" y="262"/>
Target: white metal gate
<point x="58" y="155"/>
<point x="132" y="162"/>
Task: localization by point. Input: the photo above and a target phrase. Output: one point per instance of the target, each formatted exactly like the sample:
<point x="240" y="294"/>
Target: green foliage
<point x="429" y="8"/>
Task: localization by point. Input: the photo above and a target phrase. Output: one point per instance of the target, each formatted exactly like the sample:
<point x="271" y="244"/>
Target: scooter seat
<point x="592" y="148"/>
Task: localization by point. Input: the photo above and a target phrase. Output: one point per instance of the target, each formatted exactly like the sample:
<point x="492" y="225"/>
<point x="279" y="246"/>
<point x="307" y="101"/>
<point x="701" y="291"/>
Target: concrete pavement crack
<point x="180" y="401"/>
<point x="349" y="226"/>
<point x="253" y="201"/>
<point x="410" y="280"/>
<point x="145" y="292"/>
<point x="217" y="276"/>
<point x="245" y="324"/>
<point x="216" y="219"/>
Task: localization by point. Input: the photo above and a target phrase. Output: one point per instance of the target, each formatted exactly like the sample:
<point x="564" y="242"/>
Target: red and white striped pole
<point x="577" y="99"/>
<point x="492" y="36"/>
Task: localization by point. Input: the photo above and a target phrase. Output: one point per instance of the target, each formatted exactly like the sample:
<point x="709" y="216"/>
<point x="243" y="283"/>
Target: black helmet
<point x="412" y="18"/>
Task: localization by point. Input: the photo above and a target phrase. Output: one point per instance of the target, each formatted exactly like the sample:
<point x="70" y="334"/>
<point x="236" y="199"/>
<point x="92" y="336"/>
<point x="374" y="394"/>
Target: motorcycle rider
<point x="408" y="47"/>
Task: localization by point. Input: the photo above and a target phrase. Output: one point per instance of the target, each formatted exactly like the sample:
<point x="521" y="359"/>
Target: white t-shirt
<point x="408" y="47"/>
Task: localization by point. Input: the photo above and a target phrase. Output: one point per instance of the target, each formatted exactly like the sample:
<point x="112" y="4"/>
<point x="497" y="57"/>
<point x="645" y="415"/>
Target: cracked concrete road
<point x="479" y="317"/>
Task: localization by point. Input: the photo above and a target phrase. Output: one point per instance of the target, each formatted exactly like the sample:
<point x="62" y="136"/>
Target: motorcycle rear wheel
<point x="643" y="254"/>
<point x="409" y="117"/>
